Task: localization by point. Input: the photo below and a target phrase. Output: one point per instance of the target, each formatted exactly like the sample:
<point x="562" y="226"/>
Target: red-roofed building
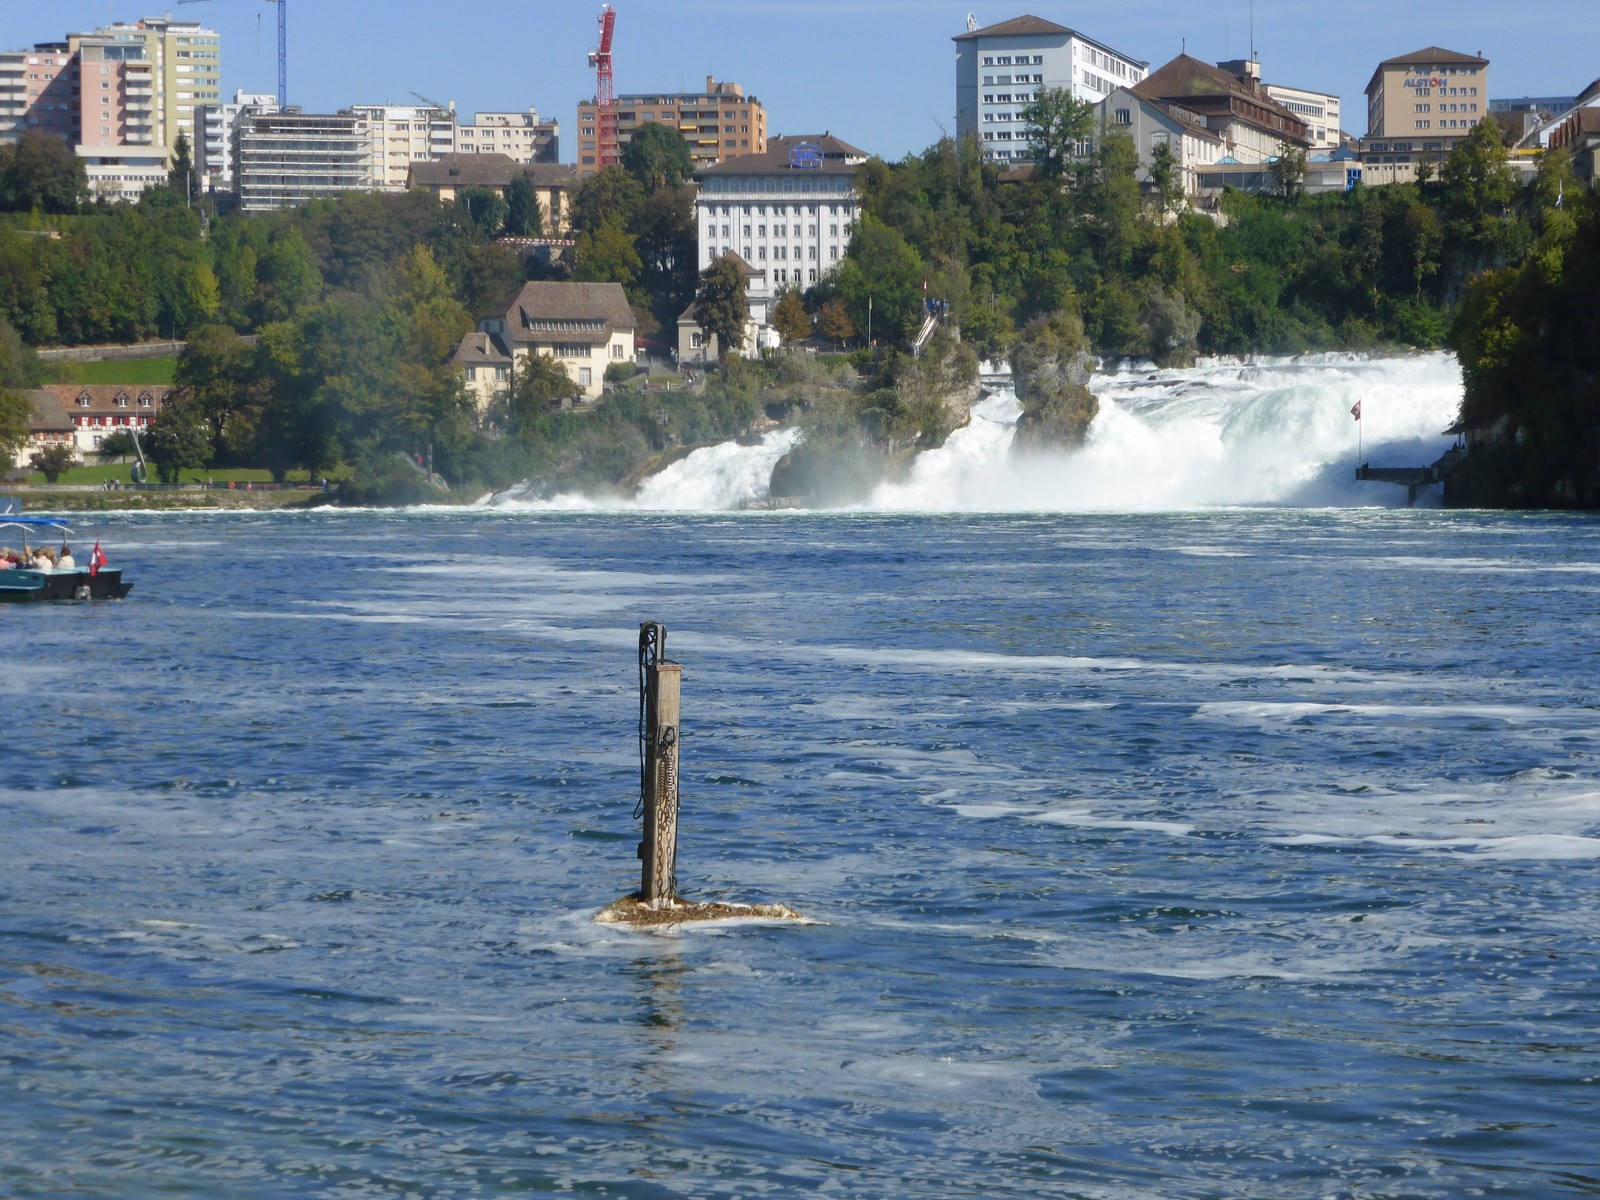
<point x="99" y="409"/>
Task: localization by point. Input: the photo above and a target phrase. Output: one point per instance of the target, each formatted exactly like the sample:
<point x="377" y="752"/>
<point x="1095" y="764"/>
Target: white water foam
<point x="1273" y="432"/>
<point x="711" y="479"/>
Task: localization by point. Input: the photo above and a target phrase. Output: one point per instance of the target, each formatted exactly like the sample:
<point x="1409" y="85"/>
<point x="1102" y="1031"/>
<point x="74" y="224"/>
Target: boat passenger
<point x="64" y="560"/>
<point x="44" y="559"/>
<point x="8" y="560"/>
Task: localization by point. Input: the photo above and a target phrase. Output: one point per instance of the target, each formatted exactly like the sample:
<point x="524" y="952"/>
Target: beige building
<point x="520" y="136"/>
<point x="1420" y="106"/>
<point x="403" y="134"/>
<point x="553" y="183"/>
<point x="586" y="327"/>
<point x="719" y="123"/>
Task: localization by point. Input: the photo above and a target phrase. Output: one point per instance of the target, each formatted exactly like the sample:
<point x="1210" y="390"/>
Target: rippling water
<point x="1223" y="854"/>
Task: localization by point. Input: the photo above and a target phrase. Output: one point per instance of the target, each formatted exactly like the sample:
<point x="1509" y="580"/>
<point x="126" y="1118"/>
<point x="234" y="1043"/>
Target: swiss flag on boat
<point x="1355" y="410"/>
<point x="97" y="559"/>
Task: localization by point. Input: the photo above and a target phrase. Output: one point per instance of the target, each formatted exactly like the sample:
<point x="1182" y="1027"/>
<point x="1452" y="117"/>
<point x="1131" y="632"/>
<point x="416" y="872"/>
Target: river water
<point x="1230" y="852"/>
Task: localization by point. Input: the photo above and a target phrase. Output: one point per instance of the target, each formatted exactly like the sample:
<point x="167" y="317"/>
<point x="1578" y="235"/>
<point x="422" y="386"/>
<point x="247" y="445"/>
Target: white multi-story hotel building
<point x="788" y="212"/>
<point x="1001" y="69"/>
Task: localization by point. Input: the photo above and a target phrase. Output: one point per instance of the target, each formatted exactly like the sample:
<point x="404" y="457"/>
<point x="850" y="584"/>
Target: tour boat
<point x="92" y="581"/>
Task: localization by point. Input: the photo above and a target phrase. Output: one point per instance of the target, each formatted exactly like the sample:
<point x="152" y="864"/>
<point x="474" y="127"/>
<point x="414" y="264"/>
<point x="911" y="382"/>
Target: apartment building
<point x="39" y="92"/>
<point x="719" y="123"/>
<point x="520" y="136"/>
<point x="403" y="134"/>
<point x="788" y="212"/>
<point x="185" y="66"/>
<point x="1001" y="69"/>
<point x="1420" y="106"/>
<point x="218" y="124"/>
<point x="287" y="159"/>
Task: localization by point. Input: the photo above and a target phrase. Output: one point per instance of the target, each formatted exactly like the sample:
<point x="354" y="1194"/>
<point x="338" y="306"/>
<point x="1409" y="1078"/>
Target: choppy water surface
<point x="1225" y="854"/>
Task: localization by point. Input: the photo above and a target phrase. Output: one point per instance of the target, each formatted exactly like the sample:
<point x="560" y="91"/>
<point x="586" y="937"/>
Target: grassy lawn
<point x="129" y="372"/>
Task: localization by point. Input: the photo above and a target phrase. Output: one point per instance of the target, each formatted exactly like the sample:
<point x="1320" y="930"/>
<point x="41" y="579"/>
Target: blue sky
<point x="878" y="73"/>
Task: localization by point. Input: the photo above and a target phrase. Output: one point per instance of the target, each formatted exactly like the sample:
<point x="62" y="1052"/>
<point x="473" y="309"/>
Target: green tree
<point x="607" y="255"/>
<point x="1288" y="170"/>
<point x="54" y="460"/>
<point x="41" y="172"/>
<point x="213" y="373"/>
<point x="16" y="422"/>
<point x="609" y="197"/>
<point x="180" y="178"/>
<point x="117" y="444"/>
<point x="540" y="384"/>
<point x="882" y="278"/>
<point x="789" y="317"/>
<point x="657" y="156"/>
<point x="487" y="208"/>
<point x="1164" y="178"/>
<point x="1056" y="125"/>
<point x="720" y="305"/>
<point x="177" y="440"/>
<point x="524" y="214"/>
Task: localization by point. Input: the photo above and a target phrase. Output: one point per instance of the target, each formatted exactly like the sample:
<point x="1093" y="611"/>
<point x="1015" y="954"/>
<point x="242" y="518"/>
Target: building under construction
<point x="719" y="123"/>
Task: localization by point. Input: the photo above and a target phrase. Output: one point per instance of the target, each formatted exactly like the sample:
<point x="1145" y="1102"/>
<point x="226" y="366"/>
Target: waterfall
<point x="711" y="479"/>
<point x="1225" y="432"/>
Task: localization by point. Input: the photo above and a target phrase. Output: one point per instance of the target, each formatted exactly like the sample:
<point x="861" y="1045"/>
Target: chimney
<point x="711" y="85"/>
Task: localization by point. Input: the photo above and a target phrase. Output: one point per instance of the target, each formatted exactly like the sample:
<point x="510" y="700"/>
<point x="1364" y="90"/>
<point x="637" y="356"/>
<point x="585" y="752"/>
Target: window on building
<point x="585" y="377"/>
<point x="1124" y="116"/>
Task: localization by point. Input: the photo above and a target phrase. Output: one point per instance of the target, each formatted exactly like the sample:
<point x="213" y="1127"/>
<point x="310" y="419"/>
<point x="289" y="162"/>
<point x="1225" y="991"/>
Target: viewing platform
<point x="1413" y="479"/>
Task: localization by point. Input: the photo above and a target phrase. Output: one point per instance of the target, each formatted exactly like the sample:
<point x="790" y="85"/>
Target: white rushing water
<point x="711" y="479"/>
<point x="1263" y="432"/>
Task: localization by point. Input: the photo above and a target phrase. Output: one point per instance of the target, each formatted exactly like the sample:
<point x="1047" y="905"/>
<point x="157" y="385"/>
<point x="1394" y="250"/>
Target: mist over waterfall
<point x="1226" y="432"/>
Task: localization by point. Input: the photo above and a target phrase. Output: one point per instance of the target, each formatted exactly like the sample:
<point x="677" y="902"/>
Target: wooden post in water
<point x="662" y="681"/>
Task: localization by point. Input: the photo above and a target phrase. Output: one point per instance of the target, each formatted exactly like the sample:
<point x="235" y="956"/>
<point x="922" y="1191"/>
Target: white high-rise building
<point x="1001" y="69"/>
<point x="403" y="134"/>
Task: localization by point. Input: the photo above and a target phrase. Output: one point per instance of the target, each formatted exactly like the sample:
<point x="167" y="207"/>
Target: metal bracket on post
<point x="659" y="694"/>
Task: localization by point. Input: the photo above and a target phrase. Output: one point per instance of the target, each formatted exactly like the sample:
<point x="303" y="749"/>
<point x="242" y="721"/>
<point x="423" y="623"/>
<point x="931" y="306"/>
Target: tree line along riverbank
<point x="355" y="303"/>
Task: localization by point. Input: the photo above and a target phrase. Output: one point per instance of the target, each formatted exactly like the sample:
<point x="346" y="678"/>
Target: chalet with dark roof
<point x="586" y="327"/>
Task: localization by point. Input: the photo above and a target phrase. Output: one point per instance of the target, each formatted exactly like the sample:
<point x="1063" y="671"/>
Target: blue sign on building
<point x="807" y="156"/>
<point x="1352" y="177"/>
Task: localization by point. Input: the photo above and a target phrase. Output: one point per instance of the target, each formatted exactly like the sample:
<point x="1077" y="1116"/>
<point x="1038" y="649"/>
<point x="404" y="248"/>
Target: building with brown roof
<point x="1253" y="126"/>
<point x="1001" y="69"/>
<point x="696" y="345"/>
<point x="48" y="425"/>
<point x="586" y="327"/>
<point x="451" y="174"/>
<point x="718" y="123"/>
<point x="1420" y="107"/>
<point x="99" y="409"/>
<point x="1579" y="134"/>
<point x="788" y="212"/>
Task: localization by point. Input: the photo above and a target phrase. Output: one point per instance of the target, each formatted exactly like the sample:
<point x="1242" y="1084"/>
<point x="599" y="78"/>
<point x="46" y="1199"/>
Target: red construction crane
<point x="605" y="92"/>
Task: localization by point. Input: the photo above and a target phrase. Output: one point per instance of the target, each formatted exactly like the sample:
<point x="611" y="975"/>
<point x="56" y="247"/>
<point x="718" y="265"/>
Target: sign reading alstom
<point x="807" y="156"/>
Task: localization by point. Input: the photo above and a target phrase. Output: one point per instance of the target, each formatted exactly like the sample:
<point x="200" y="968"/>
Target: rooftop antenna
<point x="1253" y="57"/>
<point x="972" y="23"/>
